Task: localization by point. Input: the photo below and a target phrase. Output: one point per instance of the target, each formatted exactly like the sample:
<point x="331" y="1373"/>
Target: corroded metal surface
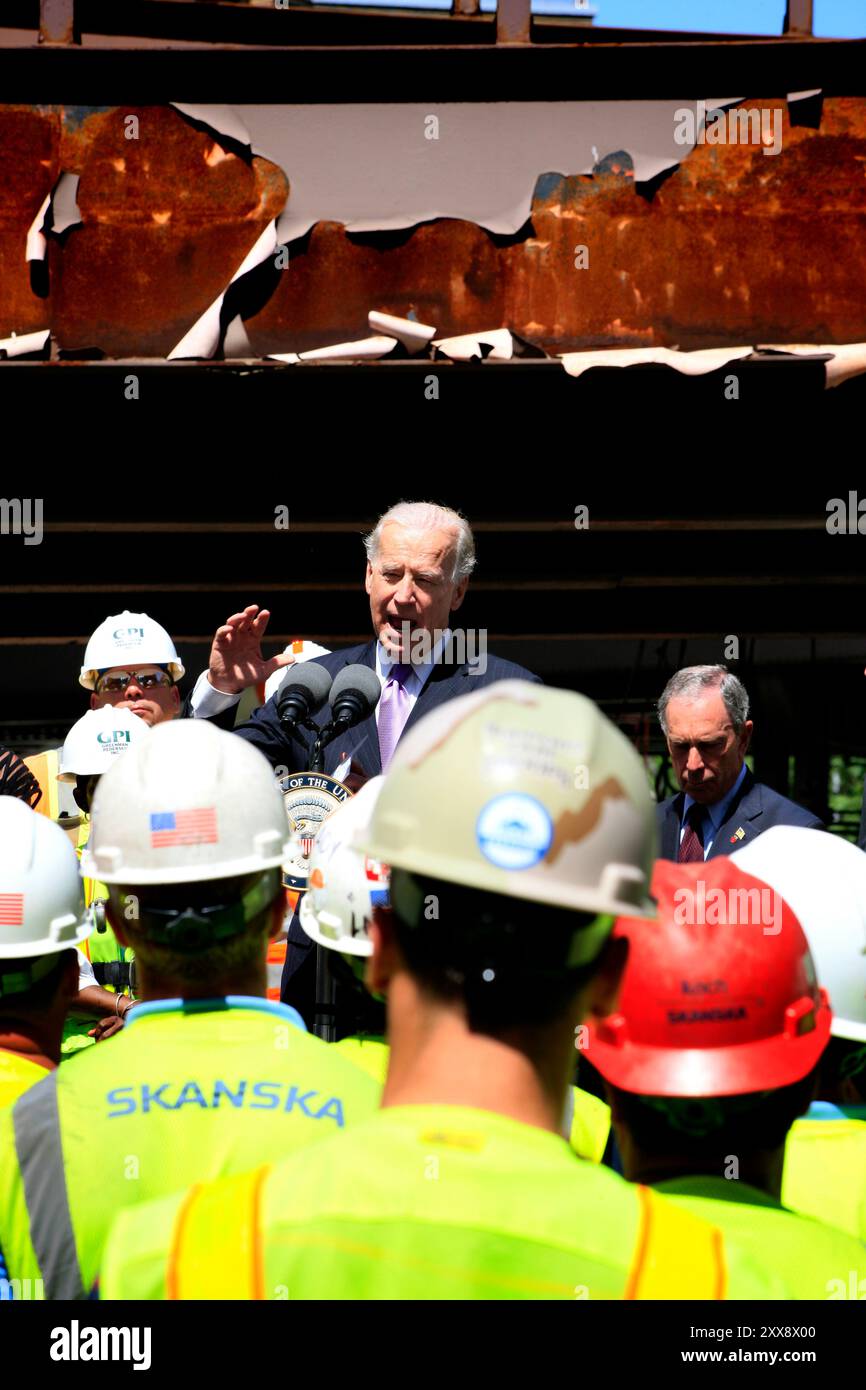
<point x="167" y="218"/>
<point x="58" y="21"/>
<point x="513" y="21"/>
<point x="734" y="246"/>
<point x="29" y="168"/>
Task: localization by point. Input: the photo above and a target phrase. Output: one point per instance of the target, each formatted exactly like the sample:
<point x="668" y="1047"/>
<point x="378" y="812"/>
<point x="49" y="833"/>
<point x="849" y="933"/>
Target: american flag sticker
<point x="197" y="827"/>
<point x="11" y="909"/>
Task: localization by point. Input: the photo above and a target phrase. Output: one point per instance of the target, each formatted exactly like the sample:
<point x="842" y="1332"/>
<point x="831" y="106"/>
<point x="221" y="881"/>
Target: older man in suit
<point x="419" y="561"/>
<point x="704" y="714"/>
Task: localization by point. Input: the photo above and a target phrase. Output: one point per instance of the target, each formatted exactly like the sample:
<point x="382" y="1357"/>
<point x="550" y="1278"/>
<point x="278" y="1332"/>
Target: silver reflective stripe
<point x="36" y="1121"/>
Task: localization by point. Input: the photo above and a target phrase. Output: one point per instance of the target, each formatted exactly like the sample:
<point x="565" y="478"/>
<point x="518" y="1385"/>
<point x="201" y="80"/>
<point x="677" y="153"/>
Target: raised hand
<point x="236" y="659"/>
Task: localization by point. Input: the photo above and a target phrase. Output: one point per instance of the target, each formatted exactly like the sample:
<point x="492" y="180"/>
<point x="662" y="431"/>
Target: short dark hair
<point x="506" y="959"/>
<point x="231" y="956"/>
<point x="844" y="1059"/>
<point x="701" y="1128"/>
<point x="40" y="994"/>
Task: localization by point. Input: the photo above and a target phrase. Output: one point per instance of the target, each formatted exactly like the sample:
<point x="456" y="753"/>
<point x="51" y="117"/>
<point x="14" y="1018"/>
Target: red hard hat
<point x="718" y="997"/>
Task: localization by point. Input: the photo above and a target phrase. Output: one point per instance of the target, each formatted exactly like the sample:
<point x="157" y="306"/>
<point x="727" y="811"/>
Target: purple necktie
<point x="394" y="710"/>
<point x="692" y="843"/>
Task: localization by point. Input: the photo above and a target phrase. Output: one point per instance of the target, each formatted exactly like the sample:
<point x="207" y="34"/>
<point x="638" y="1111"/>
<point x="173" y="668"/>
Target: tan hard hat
<point x="522" y="790"/>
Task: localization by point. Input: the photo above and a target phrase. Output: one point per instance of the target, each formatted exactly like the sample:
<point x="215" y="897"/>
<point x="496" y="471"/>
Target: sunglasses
<point x="118" y="682"/>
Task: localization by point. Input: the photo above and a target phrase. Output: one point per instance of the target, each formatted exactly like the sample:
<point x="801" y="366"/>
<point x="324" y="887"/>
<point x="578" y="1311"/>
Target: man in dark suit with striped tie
<point x="419" y="560"/>
<point x="704" y="714"/>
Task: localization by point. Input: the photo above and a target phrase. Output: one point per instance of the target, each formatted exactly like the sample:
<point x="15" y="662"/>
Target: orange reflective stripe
<point x="676" y="1254"/>
<point x="216" y="1249"/>
<point x="276" y="961"/>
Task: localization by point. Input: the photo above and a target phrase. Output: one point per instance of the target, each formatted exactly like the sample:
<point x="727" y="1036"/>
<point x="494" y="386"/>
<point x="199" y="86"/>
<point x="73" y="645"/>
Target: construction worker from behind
<point x="231" y="708"/>
<point x="823" y="877"/>
<point x="42" y="920"/>
<point x="711" y="1055"/>
<point x="344" y="888"/>
<point x="90" y="748"/>
<point x="208" y="1076"/>
<point x="506" y="865"/>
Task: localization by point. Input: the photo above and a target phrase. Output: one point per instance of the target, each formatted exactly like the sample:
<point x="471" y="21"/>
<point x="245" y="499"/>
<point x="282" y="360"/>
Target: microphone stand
<point x="325" y="1016"/>
<point x="324" y="1021"/>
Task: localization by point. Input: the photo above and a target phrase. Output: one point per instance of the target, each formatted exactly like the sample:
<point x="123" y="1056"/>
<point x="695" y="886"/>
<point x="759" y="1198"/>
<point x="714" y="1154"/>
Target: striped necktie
<point x="394" y="710"/>
<point x="692" y="843"/>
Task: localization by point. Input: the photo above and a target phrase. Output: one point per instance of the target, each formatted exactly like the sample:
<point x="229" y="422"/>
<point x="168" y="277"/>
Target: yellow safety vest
<point x="45" y="767"/>
<point x="16" y="1074"/>
<point x="426" y="1202"/>
<point x="825" y="1168"/>
<point x="590" y="1117"/>
<point x="810" y="1255"/>
<point x="185" y="1091"/>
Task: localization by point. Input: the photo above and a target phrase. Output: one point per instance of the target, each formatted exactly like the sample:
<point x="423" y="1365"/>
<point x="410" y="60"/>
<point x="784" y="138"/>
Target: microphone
<point x="354" y="695"/>
<point x="303" y="692"/>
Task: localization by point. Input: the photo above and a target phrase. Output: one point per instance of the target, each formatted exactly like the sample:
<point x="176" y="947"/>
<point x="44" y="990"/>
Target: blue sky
<point x="833" y="18"/>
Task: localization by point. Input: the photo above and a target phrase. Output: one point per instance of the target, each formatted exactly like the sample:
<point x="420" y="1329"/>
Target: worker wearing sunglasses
<point x="147" y="690"/>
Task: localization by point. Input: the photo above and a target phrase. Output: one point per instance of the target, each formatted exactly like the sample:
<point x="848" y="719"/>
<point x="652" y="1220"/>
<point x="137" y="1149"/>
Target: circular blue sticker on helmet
<point x="514" y="831"/>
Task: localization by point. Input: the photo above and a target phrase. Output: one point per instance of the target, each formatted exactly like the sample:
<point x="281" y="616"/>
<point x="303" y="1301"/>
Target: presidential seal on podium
<point x="309" y="798"/>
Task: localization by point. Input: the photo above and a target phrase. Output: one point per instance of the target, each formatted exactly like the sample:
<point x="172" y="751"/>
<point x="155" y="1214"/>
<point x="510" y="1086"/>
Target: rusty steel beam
<point x="513" y="21"/>
<point x="734" y="247"/>
<point x="465" y="7"/>
<point x="58" y="22"/>
<point x="799" y="17"/>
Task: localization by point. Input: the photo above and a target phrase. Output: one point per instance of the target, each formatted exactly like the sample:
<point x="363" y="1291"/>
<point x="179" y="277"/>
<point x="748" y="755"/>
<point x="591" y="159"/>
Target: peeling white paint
<point x="202" y="339"/>
<point x="369" y="166"/>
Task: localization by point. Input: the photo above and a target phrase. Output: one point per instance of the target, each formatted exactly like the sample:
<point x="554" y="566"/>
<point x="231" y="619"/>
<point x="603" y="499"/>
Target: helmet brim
<point x="766" y="1064"/>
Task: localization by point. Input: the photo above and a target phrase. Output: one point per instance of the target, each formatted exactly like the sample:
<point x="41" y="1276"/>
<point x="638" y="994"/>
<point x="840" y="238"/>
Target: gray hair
<point x="691" y="681"/>
<point x="428" y="516"/>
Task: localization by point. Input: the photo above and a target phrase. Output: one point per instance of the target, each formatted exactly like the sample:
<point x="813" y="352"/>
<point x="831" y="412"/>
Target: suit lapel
<point x="445" y="682"/>
<point x="744" y="814"/>
<point x="670" y="828"/>
<point x="362" y="742"/>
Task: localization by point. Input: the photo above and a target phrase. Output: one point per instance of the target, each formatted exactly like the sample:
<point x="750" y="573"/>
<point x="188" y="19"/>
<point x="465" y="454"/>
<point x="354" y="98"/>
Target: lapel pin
<point x="739" y="834"/>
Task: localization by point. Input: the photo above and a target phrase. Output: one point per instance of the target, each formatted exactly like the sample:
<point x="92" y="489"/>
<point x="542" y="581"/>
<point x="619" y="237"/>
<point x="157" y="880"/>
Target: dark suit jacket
<point x="754" y="809"/>
<point x="265" y="731"/>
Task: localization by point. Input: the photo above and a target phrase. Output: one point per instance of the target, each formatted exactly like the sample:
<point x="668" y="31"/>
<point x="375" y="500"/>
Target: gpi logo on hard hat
<point x="187" y="803"/>
<point x="97" y="738"/>
<point x="126" y="637"/>
<point x="345" y="885"/>
<point x="823" y="878"/>
<point x="711" y="1008"/>
<point x="523" y="790"/>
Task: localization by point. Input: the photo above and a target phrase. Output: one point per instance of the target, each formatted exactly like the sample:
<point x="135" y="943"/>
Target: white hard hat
<point x="300" y="650"/>
<point x="344" y="884"/>
<point x="187" y="804"/>
<point x="128" y="639"/>
<point x="95" y="741"/>
<point x="41" y="893"/>
<point x="822" y="878"/>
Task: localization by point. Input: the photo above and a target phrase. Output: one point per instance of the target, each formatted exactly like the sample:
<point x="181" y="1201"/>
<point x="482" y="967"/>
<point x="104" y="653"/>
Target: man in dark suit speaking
<point x="704" y="714"/>
<point x="419" y="561"/>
